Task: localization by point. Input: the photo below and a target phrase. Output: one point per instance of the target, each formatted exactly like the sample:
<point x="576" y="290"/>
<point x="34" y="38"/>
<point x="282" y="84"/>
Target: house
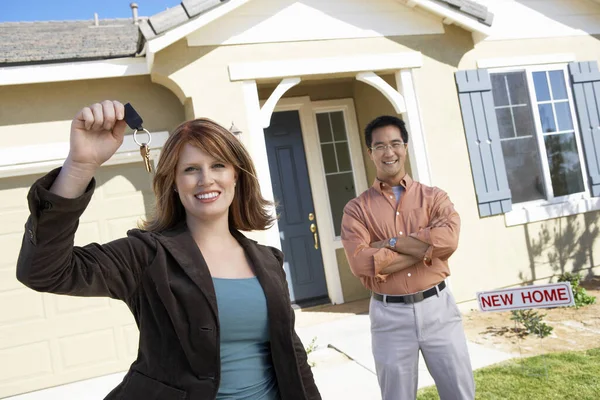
<point x="501" y="99"/>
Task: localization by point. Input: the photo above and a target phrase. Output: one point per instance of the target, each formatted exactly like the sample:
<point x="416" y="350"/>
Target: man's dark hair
<point x="382" y="121"/>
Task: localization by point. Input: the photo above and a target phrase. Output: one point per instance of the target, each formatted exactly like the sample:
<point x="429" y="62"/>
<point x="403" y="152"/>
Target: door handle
<point x="313" y="229"/>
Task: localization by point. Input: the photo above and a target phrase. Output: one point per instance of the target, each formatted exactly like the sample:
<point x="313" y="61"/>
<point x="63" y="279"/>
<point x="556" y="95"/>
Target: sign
<point x="536" y="296"/>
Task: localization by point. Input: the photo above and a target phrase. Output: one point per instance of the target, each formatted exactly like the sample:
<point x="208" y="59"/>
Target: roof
<point x="60" y="41"/>
<point x="470" y="8"/>
<point x="175" y="16"/>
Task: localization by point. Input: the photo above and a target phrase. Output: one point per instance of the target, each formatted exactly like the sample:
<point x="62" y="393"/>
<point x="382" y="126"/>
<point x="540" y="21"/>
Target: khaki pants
<point x="434" y="326"/>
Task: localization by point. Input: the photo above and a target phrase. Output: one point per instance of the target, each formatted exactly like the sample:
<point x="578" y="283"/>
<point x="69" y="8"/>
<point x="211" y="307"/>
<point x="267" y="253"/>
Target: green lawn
<point x="571" y="375"/>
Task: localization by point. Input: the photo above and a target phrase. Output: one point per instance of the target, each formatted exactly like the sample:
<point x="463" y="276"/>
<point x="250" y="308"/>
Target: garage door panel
<point x="25" y="362"/>
<point x="13" y="227"/>
<point x="14" y="191"/>
<point x="88" y="349"/>
<point x="119" y="225"/>
<point x="88" y="232"/>
<point x="132" y="337"/>
<point x="54" y="326"/>
<point x="46" y="339"/>
<point x="66" y="305"/>
<point x="21" y="305"/>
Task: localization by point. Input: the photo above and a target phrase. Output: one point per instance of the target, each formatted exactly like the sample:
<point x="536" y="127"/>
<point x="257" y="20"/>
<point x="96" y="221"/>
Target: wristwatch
<point x="392" y="243"/>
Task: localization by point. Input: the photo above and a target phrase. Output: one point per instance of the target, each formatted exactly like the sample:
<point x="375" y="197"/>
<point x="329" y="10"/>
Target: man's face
<point x="388" y="153"/>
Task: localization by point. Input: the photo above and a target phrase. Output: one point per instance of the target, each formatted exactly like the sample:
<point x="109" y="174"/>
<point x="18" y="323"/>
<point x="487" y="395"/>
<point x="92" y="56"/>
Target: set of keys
<point x="133" y="119"/>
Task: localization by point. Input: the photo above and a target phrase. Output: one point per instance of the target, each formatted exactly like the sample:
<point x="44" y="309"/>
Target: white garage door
<point x="48" y="340"/>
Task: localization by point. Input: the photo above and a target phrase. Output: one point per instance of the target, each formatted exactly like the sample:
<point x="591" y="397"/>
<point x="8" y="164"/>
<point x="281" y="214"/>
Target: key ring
<point x="147" y="133"/>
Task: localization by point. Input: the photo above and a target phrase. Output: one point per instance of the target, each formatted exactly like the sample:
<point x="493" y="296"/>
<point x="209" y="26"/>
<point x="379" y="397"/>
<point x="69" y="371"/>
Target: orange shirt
<point x="376" y="215"/>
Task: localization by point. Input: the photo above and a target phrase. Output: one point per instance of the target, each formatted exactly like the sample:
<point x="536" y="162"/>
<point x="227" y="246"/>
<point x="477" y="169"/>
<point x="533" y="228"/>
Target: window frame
<point x="550" y="198"/>
<point x="346" y="106"/>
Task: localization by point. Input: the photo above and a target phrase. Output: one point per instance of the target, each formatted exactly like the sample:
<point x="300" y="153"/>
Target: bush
<point x="579" y="294"/>
<point x="532" y="321"/>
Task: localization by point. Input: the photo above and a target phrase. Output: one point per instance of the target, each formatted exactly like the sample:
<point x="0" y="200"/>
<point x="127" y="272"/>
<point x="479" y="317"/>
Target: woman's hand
<point x="97" y="132"/>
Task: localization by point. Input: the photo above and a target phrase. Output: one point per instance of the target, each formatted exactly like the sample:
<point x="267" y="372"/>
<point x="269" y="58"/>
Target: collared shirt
<point x="374" y="216"/>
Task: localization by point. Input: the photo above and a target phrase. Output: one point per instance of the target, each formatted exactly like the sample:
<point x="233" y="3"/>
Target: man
<point x="398" y="236"/>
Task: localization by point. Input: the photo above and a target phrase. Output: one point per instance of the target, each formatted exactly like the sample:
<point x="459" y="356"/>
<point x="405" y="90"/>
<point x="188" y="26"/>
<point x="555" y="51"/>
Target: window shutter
<point x="586" y="89"/>
<point x="483" y="142"/>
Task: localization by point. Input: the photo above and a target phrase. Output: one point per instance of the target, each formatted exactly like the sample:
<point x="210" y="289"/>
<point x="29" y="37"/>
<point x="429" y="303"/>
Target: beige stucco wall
<point x="42" y="113"/>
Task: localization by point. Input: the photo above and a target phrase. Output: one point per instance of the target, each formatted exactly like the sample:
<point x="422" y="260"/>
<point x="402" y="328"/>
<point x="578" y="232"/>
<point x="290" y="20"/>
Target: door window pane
<point x="343" y="156"/>
<point x="341" y="191"/>
<point x="329" y="158"/>
<point x="565" y="167"/>
<point x="338" y="125"/>
<point x="324" y="128"/>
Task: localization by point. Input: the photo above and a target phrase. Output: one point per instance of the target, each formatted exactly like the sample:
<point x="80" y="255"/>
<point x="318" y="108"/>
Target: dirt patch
<point x="574" y="329"/>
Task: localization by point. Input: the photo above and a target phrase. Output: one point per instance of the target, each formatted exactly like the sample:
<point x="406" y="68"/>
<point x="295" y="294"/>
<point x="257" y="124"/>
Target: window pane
<point x="324" y="128"/>
<point x="524" y="121"/>
<point x="339" y="127"/>
<point x="499" y="90"/>
<point x="329" y="158"/>
<point x="547" y="118"/>
<point x="343" y="156"/>
<point x="517" y="86"/>
<point x="565" y="168"/>
<point x="341" y="190"/>
<point x="557" y="81"/>
<point x="540" y="82"/>
<point x="563" y="115"/>
<point x="505" y="123"/>
<point x="525" y="177"/>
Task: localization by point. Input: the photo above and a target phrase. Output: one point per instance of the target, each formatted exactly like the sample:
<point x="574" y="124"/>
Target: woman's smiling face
<point x="206" y="186"/>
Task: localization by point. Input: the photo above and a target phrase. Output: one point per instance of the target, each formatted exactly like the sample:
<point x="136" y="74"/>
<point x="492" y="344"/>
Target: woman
<point x="212" y="306"/>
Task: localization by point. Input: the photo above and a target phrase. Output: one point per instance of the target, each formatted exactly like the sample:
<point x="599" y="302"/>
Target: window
<point x="538" y="134"/>
<point x="333" y="139"/>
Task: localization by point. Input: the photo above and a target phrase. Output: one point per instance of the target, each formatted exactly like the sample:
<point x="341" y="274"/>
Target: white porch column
<point x="258" y="150"/>
<point x="417" y="149"/>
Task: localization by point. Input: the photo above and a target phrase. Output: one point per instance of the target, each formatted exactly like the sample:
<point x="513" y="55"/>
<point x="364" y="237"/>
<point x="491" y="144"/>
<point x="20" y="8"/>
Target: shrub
<point x="579" y="294"/>
<point x="532" y="321"/>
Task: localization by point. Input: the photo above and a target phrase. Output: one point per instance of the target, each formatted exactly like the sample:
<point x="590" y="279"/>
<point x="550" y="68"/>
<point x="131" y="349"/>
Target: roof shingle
<point x="59" y="41"/>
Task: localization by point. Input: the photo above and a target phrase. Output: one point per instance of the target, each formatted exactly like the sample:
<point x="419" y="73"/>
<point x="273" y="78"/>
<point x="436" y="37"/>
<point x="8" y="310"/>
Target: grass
<point x="571" y="375"/>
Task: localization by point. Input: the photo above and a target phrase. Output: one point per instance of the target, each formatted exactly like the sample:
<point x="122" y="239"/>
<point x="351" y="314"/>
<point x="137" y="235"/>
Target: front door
<point x="292" y="191"/>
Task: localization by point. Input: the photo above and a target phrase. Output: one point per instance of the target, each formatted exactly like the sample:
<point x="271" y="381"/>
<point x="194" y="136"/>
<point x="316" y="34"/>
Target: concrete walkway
<point x="343" y="364"/>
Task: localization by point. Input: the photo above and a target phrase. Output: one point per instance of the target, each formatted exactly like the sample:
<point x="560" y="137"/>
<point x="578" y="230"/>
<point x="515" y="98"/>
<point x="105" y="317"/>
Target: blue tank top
<point x="246" y="365"/>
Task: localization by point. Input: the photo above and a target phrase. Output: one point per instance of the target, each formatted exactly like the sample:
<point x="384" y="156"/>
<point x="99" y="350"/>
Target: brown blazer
<point x="165" y="281"/>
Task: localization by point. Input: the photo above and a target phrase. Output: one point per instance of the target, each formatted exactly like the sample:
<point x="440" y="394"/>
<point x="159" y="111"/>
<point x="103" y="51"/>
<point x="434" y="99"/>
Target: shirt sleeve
<point x="364" y="260"/>
<point x="442" y="241"/>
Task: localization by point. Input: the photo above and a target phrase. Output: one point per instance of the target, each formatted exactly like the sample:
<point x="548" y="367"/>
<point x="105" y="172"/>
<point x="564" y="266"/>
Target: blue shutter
<point x="586" y="90"/>
<point x="483" y="142"/>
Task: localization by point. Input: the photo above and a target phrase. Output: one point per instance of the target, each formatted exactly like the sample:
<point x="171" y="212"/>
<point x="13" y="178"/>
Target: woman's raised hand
<point x="97" y="132"/>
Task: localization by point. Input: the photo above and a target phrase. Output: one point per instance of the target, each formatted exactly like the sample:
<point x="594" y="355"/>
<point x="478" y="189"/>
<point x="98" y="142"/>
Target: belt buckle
<point x="414" y="298"/>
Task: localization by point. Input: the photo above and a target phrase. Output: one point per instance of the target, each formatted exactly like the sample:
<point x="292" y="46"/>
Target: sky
<point x="62" y="10"/>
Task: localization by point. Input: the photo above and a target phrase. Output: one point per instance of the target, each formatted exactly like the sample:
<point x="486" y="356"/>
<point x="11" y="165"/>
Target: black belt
<point x="411" y="298"/>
